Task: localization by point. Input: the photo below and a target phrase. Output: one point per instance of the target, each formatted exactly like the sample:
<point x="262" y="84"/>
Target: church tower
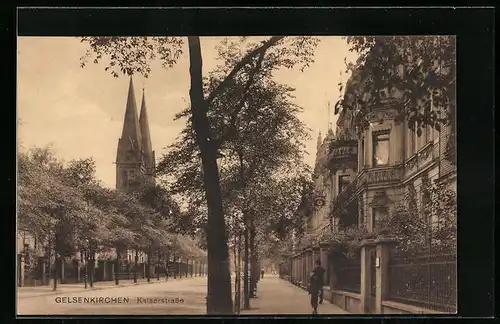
<point x="134" y="156"/>
<point x="147" y="148"/>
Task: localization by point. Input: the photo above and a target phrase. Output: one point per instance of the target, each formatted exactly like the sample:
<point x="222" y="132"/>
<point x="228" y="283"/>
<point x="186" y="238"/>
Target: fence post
<point x="307" y="263"/>
<point x="323" y="256"/>
<point x="298" y="270"/>
<point x="384" y="246"/>
<point x="316" y="255"/>
<point x="367" y="247"/>
<point x="310" y="263"/>
<point x="44" y="273"/>
<point x="303" y="264"/>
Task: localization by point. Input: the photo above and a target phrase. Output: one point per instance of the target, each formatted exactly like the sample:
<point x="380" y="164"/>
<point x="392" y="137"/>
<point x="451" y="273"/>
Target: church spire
<point x="149" y="158"/>
<point x="131" y="129"/>
<point x="320" y="141"/>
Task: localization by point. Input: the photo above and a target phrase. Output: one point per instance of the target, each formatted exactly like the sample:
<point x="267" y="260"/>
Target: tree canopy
<point x="418" y="71"/>
<point x="64" y="205"/>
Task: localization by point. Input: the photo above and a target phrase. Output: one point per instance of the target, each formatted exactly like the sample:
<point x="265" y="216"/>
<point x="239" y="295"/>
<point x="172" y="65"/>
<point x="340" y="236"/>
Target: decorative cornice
<point x="386" y="239"/>
<point x="381" y="114"/>
<point x="368" y="242"/>
<point x="386" y="175"/>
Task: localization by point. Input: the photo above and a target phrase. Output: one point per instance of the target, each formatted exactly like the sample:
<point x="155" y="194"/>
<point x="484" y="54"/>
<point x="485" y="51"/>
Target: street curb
<point x="99" y="288"/>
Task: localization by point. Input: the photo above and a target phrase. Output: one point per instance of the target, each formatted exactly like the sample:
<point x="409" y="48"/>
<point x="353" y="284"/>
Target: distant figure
<point x="262" y="274"/>
<point x="316" y="286"/>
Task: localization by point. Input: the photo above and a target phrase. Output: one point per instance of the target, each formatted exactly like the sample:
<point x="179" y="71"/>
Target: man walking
<point x="316" y="286"/>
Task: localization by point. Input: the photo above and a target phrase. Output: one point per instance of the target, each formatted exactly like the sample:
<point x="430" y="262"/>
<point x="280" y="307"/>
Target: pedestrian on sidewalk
<point x="262" y="273"/>
<point x="316" y="286"/>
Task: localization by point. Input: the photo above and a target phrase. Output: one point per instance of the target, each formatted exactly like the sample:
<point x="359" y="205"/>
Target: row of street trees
<point x="68" y="211"/>
<point x="238" y="112"/>
<point x="260" y="162"/>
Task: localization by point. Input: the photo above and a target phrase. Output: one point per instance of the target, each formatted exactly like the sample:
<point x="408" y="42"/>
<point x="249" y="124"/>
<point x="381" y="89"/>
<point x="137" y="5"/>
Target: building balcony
<point x="343" y="154"/>
<point x="424" y="157"/>
<point x="380" y="176"/>
<point x="344" y="210"/>
<point x="347" y="194"/>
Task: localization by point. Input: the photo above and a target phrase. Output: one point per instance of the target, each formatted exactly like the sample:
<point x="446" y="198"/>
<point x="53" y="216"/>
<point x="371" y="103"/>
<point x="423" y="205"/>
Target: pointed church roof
<point x="144" y="124"/>
<point x="320" y="141"/>
<point x="131" y="128"/>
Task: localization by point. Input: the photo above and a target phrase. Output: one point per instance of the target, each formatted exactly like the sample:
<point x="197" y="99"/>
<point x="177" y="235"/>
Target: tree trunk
<point x="175" y="263"/>
<point x="253" y="260"/>
<point x="117" y="266"/>
<point x="246" y="277"/>
<point x="236" y="274"/>
<point x="92" y="267"/>
<point x="219" y="299"/>
<point x="148" y="264"/>
<point x="239" y="271"/>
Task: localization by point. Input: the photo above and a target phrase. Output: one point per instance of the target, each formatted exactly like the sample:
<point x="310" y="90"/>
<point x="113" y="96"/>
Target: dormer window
<point x="380" y="148"/>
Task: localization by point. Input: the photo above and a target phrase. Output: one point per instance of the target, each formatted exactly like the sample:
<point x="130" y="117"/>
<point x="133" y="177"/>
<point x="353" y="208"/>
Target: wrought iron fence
<point x="425" y="280"/>
<point x="349" y="274"/>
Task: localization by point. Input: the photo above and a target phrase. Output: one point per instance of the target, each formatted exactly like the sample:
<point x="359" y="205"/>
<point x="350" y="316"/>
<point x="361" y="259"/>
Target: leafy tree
<point x="420" y="71"/>
<point x="130" y="55"/>
<point x="430" y="227"/>
<point x="52" y="208"/>
<point x="247" y="159"/>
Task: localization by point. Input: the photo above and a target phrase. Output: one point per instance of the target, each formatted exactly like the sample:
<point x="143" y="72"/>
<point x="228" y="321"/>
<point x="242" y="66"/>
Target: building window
<point x="413" y="142"/>
<point x="362" y="153"/>
<point x="378" y="214"/>
<point x="344" y="181"/>
<point x="381" y="149"/>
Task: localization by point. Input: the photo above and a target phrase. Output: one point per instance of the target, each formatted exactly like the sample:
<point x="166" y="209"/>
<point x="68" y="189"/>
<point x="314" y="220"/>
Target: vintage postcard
<point x="236" y="175"/>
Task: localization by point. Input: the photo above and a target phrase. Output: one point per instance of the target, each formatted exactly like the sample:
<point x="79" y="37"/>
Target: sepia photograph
<point x="238" y="175"/>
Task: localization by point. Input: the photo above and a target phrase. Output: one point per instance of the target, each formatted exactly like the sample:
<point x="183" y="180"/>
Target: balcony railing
<point x="343" y="153"/>
<point x="342" y="200"/>
<point x="385" y="175"/>
<point x="348" y="192"/>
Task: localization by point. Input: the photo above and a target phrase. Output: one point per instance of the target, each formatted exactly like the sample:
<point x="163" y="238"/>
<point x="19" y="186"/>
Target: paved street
<point x="275" y="296"/>
<point x="127" y="299"/>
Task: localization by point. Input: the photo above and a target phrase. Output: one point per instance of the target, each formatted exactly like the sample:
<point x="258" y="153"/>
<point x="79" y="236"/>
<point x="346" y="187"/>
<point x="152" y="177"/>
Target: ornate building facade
<point x="361" y="174"/>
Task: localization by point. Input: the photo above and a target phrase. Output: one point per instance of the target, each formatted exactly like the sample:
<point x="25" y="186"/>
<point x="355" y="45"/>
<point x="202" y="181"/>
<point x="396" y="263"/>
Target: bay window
<point x="380" y="149"/>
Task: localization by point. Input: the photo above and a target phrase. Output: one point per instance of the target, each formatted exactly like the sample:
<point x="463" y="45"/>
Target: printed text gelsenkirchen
<point x="117" y="300"/>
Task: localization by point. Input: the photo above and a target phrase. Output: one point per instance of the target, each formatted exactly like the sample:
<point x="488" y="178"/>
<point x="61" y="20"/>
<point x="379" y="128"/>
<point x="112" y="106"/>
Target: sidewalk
<point x="28" y="292"/>
<point x="277" y="296"/>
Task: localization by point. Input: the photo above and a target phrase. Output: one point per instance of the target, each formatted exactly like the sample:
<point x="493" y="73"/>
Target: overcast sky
<point x="80" y="111"/>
